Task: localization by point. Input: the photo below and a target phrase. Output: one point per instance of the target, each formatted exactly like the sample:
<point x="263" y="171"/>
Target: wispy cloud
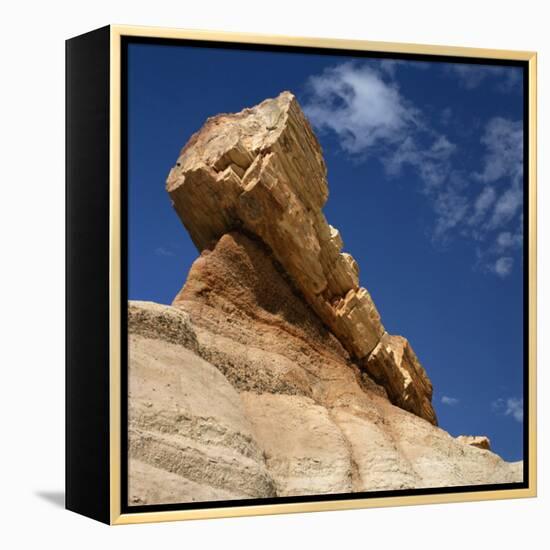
<point x="451" y="206"/>
<point x="390" y="66"/>
<point x="503" y="266"/>
<point x="502" y="171"/>
<point x="492" y="215"/>
<point x="451" y="401"/>
<point x="364" y="106"/>
<point x="503" y="139"/>
<point x="432" y="163"/>
<point x="470" y="76"/>
<point x="482" y="203"/>
<point x="163" y="251"/>
<point x="361" y="106"/>
<point x="507" y="240"/>
<point x="512" y="406"/>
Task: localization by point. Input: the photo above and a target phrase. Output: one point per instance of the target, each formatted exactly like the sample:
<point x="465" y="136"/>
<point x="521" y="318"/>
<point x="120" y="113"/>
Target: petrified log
<point x="261" y="171"/>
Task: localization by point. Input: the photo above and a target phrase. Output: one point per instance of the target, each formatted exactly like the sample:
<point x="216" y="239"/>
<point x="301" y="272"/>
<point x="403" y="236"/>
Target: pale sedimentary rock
<point x="479" y="441"/>
<point x="261" y="171"/>
<point x="305" y="451"/>
<point x="188" y="437"/>
<point x="241" y="392"/>
<point x="214" y="417"/>
<point x="394" y="365"/>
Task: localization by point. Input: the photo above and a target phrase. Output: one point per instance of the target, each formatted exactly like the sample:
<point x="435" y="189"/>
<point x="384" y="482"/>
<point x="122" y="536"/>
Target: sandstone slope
<point x="241" y="392"/>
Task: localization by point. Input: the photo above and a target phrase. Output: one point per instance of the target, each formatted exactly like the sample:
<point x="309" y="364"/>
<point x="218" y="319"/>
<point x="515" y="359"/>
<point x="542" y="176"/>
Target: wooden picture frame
<point x="97" y="386"/>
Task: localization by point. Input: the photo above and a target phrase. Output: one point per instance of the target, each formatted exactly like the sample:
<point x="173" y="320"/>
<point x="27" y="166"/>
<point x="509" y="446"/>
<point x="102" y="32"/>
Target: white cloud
<point x="162" y="251"/>
<point x="508" y="240"/>
<point x="360" y="106"/>
<point x="503" y="165"/>
<point x="363" y="105"/>
<point x="390" y="66"/>
<point x="497" y="404"/>
<point x="431" y="164"/>
<point x="450" y="207"/>
<point x="512" y="406"/>
<point x="485" y="199"/>
<point x="470" y="76"/>
<point x="499" y="207"/>
<point x="481" y="205"/>
<point x="451" y="401"/>
<point x="506" y="207"/>
<point x="503" y="266"/>
<point x="503" y="139"/>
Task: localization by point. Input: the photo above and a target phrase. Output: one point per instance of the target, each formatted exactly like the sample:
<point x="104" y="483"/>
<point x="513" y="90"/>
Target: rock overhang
<point x="262" y="171"/>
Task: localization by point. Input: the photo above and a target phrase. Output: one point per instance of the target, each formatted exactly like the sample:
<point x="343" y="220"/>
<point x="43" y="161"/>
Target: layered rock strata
<point x="394" y="364"/>
<point x="242" y="392"/>
<point x="262" y="171"/>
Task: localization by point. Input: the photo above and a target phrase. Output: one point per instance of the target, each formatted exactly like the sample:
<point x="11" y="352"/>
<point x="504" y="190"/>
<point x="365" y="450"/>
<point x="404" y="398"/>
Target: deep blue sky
<point x="452" y="284"/>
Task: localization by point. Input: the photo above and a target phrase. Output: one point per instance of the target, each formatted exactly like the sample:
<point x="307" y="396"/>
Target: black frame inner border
<point x="184" y="42"/>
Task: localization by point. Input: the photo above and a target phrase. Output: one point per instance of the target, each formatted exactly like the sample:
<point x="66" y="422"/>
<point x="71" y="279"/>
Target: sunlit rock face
<point x="261" y="171"/>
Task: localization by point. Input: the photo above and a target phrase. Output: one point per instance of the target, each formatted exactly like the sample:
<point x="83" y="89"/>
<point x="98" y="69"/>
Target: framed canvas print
<point x="300" y="274"/>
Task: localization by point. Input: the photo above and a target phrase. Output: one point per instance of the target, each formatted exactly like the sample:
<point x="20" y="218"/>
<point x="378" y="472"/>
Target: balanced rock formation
<point x="271" y="373"/>
<point x="262" y="171"/>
